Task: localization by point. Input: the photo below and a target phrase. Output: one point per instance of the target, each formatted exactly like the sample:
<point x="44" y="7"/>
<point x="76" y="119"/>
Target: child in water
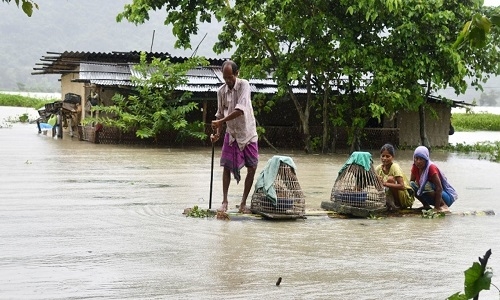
<point x="394" y="180"/>
<point x="429" y="184"/>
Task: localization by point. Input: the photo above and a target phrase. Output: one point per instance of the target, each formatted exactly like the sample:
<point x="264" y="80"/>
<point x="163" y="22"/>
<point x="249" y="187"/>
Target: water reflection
<point x="79" y="220"/>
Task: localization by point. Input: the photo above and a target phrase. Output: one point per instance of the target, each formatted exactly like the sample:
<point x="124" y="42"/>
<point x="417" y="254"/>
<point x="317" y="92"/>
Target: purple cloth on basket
<point x="234" y="159"/>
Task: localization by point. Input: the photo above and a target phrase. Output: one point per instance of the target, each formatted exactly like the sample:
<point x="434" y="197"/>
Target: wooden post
<point x="59" y="124"/>
<point x="204" y="115"/>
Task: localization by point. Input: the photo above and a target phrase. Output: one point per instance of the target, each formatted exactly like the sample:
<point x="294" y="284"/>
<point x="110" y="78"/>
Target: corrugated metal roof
<point x="117" y="68"/>
<point x="105" y="82"/>
<point x="94" y="71"/>
<point x="68" y="61"/>
<point x="198" y="88"/>
<point x="201" y="79"/>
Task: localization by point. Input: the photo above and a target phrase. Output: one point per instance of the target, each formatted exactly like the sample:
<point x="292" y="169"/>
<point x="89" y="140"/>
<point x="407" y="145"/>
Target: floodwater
<point x="86" y="221"/>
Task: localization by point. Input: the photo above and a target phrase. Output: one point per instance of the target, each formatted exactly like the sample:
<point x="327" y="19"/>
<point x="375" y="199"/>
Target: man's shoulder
<point x="242" y="82"/>
<point x="221" y="88"/>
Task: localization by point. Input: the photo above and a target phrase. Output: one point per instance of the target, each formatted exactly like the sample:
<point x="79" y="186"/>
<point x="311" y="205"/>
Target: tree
<point x="393" y="53"/>
<point x="475" y="32"/>
<point x="295" y="42"/>
<point x="156" y="106"/>
<point x="420" y="60"/>
<point x="26" y="5"/>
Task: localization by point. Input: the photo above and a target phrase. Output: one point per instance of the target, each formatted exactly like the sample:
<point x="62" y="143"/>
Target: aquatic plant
<point x="197" y="212"/>
<point x="431" y="214"/>
<point x="483" y="150"/>
<point x="4" y="124"/>
<point x="477" y="278"/>
<point x="23" y="118"/>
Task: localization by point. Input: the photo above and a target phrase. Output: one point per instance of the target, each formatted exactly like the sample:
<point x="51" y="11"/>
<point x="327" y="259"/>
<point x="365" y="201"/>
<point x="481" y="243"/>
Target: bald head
<point x="229" y="73"/>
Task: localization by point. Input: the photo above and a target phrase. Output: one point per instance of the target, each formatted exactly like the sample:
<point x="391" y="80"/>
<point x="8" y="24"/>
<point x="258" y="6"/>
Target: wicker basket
<point x="356" y="186"/>
<point x="290" y="199"/>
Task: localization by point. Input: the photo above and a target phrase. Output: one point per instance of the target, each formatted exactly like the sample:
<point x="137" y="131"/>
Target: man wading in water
<point x="234" y="107"/>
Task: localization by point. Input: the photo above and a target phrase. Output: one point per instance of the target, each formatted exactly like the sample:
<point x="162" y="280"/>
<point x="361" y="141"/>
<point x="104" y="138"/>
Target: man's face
<point x="229" y="77"/>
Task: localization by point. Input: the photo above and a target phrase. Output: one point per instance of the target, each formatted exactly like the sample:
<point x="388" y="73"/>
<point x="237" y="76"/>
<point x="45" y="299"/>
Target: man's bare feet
<point x="244" y="209"/>
<point x="223" y="207"/>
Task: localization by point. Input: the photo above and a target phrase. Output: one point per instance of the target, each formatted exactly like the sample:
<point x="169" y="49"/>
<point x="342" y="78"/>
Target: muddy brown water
<point x="80" y="221"/>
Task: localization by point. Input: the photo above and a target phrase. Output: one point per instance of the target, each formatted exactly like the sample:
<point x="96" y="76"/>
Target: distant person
<point x="43" y="127"/>
<point x="55" y="121"/>
<point x="394" y="180"/>
<point x="234" y="108"/>
<point x="429" y="183"/>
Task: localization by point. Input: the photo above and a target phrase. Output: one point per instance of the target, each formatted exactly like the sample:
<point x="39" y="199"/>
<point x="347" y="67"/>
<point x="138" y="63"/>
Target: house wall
<point x="67" y="86"/>
<point x="437" y="126"/>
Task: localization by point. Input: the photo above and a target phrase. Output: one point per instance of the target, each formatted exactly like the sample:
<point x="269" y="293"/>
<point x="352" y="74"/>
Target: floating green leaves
<point x="197" y="212"/>
<point x="432" y="214"/>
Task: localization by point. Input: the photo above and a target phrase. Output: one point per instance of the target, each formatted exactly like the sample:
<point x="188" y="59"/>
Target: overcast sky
<point x="492" y="2"/>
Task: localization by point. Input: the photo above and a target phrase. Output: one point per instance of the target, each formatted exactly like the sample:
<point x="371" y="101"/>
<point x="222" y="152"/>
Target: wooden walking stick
<point x="211" y="176"/>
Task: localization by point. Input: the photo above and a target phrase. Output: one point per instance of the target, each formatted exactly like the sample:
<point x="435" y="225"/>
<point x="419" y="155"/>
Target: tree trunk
<point x="423" y="132"/>
<point x="356" y="132"/>
<point x="421" y="115"/>
<point x="304" y="120"/>
<point x="304" y="112"/>
<point x="334" y="139"/>
<point x="324" y="141"/>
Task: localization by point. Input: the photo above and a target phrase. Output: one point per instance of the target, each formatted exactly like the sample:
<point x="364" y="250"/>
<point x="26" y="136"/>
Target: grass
<point x="22" y="101"/>
<point x="476" y="122"/>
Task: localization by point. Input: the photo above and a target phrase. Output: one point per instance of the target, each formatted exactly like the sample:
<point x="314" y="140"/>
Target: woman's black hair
<point x="389" y="148"/>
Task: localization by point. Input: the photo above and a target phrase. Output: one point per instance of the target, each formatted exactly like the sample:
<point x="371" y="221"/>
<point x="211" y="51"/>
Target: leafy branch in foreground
<point x="477" y="279"/>
<point x="26" y="5"/>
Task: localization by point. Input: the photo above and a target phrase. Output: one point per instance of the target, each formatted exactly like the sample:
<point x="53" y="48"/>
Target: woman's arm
<point x="413" y="176"/>
<point x="395" y="183"/>
<point x="438" y="192"/>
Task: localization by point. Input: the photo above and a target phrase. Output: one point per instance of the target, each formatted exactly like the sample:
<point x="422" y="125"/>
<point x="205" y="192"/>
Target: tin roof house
<point x="85" y="74"/>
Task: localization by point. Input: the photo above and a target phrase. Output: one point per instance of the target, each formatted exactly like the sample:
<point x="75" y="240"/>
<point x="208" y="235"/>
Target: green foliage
<point x="316" y="144"/>
<point x="23" y="118"/>
<point x="197" y="212"/>
<point x="477" y="278"/>
<point x="476" y="121"/>
<point x="431" y="214"/>
<point x="483" y="150"/>
<point x="155" y="106"/>
<point x="382" y="49"/>
<point x="22" y="101"/>
<point x="26" y="5"/>
<point x="475" y="32"/>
